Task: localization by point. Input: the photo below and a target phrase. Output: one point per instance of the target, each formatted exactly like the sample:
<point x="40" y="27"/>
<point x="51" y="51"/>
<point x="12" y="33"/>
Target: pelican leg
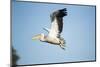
<point x="62" y="40"/>
<point x="63" y="43"/>
<point x="62" y="46"/>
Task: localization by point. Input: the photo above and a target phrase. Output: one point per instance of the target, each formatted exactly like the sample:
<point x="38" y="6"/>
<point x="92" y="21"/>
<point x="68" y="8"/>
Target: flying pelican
<point x="54" y="36"/>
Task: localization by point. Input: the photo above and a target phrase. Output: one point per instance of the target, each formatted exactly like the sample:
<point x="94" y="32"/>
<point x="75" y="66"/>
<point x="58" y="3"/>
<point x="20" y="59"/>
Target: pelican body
<point x="54" y="32"/>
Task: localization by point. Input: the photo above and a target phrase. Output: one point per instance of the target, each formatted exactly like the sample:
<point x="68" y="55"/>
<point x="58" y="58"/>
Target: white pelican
<point x="54" y="36"/>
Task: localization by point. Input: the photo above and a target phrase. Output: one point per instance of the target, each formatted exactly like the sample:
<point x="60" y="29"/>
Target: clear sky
<point x="28" y="19"/>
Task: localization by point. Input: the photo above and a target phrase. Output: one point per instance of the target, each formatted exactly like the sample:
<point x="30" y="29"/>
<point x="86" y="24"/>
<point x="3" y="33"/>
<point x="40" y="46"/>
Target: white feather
<point x="54" y="31"/>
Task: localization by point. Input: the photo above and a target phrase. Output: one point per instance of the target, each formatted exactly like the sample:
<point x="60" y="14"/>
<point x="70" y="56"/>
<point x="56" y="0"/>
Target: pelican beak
<point x="37" y="37"/>
<point x="34" y="38"/>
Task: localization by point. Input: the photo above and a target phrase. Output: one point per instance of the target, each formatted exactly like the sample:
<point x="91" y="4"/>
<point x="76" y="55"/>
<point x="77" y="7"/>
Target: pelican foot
<point x="61" y="45"/>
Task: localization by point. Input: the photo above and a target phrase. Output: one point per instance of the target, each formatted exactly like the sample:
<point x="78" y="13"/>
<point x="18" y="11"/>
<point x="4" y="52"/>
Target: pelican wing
<point x="55" y="29"/>
<point x="57" y="22"/>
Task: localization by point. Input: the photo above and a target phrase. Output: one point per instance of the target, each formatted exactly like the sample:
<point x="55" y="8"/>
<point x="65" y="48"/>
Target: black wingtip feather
<point x="63" y="12"/>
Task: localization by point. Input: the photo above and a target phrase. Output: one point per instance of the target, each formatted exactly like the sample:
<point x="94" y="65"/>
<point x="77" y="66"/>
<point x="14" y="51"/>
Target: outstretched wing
<point x="57" y="22"/>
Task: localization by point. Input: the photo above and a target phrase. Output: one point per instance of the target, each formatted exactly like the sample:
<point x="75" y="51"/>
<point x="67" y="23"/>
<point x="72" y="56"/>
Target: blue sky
<point x="29" y="18"/>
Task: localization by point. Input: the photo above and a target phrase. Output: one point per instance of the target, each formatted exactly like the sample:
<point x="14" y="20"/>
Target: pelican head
<point x="39" y="37"/>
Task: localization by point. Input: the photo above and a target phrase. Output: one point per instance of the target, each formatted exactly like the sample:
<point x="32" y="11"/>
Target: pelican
<point x="54" y="33"/>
